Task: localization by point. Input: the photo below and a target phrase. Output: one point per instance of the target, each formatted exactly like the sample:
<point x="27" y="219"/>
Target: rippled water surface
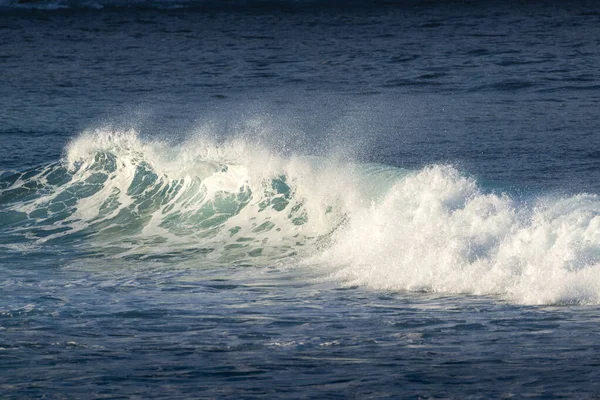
<point x="292" y="199"/>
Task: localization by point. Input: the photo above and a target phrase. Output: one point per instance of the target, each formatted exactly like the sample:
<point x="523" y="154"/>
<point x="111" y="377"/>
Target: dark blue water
<point x="299" y="199"/>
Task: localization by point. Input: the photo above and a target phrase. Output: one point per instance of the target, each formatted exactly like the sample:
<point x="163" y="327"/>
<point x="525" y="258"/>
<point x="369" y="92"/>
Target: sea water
<point x="292" y="199"/>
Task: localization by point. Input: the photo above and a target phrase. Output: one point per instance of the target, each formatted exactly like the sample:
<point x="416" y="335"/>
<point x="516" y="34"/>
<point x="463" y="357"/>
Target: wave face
<point x="129" y="197"/>
<point x="223" y="203"/>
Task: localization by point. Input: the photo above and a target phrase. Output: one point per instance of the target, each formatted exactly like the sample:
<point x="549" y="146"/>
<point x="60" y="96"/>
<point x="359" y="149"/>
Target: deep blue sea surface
<point x="299" y="199"/>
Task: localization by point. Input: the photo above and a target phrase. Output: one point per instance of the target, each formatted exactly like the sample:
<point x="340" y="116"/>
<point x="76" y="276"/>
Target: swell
<point x="218" y="203"/>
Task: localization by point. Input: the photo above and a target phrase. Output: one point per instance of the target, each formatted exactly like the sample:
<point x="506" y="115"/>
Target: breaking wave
<point x="130" y="197"/>
<point x="372" y="225"/>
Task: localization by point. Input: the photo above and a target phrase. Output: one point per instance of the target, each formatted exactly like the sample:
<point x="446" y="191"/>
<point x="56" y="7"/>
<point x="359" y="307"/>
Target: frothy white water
<point x="436" y="231"/>
<point x="370" y="225"/>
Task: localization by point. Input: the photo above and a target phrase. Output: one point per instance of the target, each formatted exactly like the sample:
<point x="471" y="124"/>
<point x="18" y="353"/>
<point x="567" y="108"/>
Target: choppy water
<point x="299" y="199"/>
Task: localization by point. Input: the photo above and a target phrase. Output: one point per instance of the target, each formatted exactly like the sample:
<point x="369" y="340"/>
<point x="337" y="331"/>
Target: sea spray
<point x="436" y="231"/>
<point x="234" y="199"/>
<point x="236" y="202"/>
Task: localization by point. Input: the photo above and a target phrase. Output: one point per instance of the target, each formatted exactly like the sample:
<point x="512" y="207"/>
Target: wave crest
<point x="218" y="203"/>
<point x="149" y="197"/>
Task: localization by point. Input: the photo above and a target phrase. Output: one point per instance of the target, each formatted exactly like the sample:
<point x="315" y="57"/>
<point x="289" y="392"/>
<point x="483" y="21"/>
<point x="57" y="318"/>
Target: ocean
<point x="299" y="199"/>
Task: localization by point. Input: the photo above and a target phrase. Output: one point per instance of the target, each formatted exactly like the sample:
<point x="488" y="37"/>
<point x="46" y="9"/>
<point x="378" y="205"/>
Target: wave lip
<point x="139" y="198"/>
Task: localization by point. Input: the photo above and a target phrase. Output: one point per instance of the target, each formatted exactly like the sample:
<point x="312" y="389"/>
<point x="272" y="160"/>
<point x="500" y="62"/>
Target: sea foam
<point x="220" y="203"/>
<point x="436" y="231"/>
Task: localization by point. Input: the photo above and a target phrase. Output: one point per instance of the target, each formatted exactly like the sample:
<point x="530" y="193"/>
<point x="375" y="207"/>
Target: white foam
<point x="436" y="231"/>
<point x="369" y="225"/>
<point x="205" y="170"/>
